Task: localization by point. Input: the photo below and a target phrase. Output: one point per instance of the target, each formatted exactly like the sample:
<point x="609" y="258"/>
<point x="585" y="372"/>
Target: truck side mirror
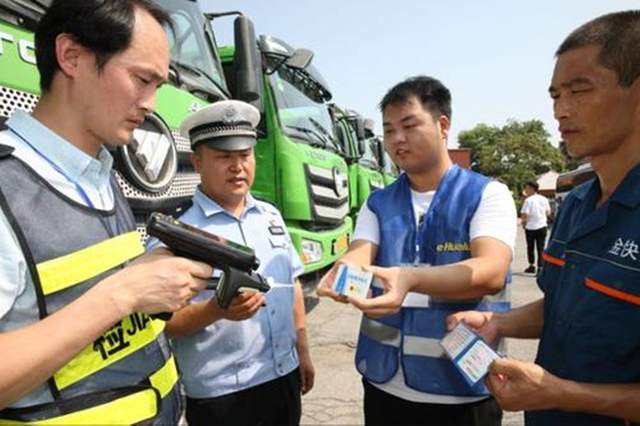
<point x="380" y="152"/>
<point x="248" y="63"/>
<point x="361" y="147"/>
<point x="369" y="128"/>
<point x="360" y="129"/>
<point x="300" y="58"/>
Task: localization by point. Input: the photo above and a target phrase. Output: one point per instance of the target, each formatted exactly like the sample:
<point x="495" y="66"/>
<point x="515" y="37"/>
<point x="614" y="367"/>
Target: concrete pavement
<point x="336" y="398"/>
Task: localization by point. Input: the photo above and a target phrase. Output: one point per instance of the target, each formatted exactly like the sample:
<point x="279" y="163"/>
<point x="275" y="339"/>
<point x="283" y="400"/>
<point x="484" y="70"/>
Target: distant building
<point x="461" y="157"/>
<point x="547" y="184"/>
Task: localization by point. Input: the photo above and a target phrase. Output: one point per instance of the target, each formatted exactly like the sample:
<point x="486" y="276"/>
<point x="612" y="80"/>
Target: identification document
<point x="470" y="354"/>
<point x="352" y="281"/>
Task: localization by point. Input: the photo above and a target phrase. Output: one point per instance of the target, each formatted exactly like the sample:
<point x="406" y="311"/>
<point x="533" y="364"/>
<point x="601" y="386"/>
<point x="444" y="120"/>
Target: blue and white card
<point x="469" y="353"/>
<point x="352" y="281"/>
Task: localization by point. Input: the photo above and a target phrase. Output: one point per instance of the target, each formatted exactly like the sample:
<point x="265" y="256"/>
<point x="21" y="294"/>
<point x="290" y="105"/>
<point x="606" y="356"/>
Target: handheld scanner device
<point x="237" y="262"/>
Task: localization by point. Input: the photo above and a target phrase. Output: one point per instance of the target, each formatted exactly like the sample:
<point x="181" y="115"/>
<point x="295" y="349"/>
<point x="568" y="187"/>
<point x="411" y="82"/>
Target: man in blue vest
<point x="462" y="227"/>
<point x="587" y="371"/>
<point x="77" y="343"/>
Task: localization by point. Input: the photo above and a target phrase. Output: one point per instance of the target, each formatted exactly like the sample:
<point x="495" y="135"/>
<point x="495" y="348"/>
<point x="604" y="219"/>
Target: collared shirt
<point x="52" y="157"/>
<point x="591" y="282"/>
<point x="229" y="356"/>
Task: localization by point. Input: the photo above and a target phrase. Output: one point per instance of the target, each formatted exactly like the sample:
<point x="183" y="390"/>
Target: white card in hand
<point x="352" y="281"/>
<point x="470" y="354"/>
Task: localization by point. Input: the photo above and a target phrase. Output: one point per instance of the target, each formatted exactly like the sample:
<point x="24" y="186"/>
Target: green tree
<point x="514" y="154"/>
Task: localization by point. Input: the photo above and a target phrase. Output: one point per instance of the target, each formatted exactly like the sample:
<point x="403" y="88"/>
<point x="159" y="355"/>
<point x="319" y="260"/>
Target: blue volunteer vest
<point x="413" y="334"/>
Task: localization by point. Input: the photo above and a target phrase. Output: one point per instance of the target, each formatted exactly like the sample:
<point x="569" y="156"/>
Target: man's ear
<point x="635" y="92"/>
<point x="195" y="160"/>
<point x="69" y="54"/>
<point x="445" y="125"/>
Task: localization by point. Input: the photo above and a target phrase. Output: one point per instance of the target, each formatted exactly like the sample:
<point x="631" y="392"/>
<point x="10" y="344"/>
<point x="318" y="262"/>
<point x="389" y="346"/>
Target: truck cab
<point x="300" y="166"/>
<point x="154" y="171"/>
<point x="357" y="139"/>
<point x="388" y="168"/>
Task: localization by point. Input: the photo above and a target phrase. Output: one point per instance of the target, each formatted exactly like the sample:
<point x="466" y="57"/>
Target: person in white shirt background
<point x="534" y="214"/>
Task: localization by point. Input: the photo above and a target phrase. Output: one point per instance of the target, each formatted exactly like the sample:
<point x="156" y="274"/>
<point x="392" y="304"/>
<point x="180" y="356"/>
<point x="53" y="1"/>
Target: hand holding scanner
<point x="236" y="261"/>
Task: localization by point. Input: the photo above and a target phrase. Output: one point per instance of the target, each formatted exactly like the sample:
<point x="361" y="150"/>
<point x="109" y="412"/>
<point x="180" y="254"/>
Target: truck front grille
<point x="142" y="201"/>
<point x="329" y="193"/>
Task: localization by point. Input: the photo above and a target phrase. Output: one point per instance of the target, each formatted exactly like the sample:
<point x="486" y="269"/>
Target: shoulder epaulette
<point x="5" y="151"/>
<point x="181" y="208"/>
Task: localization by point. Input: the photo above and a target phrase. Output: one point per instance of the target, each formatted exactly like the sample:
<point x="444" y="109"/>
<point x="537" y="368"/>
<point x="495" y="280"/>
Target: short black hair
<point x="533" y="184"/>
<point x="619" y="36"/>
<point x="103" y="26"/>
<point x="432" y="94"/>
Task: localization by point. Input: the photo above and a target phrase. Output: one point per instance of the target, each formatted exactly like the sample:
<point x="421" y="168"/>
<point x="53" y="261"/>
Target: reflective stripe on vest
<point x="126" y="337"/>
<point x="122" y="339"/>
<point x="66" y="271"/>
<point x="135" y="407"/>
<point x="165" y="378"/>
<point x="422" y="346"/>
<point x="380" y="332"/>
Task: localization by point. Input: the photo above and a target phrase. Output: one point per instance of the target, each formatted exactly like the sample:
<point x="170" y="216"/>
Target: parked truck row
<point x="316" y="162"/>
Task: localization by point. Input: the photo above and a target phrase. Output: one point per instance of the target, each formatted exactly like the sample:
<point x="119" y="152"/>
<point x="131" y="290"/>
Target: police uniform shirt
<point x="229" y="356"/>
<point x="52" y="157"/>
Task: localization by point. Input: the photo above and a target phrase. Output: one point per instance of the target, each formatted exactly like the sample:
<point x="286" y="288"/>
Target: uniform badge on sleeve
<point x="275" y="228"/>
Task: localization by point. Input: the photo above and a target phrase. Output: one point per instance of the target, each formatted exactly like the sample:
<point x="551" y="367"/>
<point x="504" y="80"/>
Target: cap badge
<point x="230" y="114"/>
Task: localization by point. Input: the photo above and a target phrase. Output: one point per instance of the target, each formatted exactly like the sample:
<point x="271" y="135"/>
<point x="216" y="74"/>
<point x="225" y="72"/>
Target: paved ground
<point x="337" y="396"/>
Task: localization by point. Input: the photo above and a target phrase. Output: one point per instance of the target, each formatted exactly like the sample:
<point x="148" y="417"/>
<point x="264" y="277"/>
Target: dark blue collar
<point x="627" y="193"/>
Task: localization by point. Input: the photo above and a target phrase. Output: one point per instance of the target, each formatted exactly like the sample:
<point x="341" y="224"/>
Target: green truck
<point x="300" y="165"/>
<point x="154" y="171"/>
<point x="300" y="168"/>
<point x="361" y="154"/>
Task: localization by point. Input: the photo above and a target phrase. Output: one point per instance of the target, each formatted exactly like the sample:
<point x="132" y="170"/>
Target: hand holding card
<point x="470" y="354"/>
<point x="352" y="281"/>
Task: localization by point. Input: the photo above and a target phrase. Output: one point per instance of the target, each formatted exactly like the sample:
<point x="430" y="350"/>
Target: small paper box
<point x="469" y="353"/>
<point x="352" y="281"/>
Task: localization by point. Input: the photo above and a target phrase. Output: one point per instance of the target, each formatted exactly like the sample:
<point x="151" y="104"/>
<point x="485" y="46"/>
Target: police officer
<point x="246" y="365"/>
<point x="587" y="371"/>
<point x="77" y="344"/>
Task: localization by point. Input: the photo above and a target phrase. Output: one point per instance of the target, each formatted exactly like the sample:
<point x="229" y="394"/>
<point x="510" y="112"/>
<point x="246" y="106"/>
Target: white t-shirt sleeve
<point x="496" y="215"/>
<point x="526" y="206"/>
<point x="13" y="267"/>
<point x="547" y="206"/>
<point x="367" y="227"/>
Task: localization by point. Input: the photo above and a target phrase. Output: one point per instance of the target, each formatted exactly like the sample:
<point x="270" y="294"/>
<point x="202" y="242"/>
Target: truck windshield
<point x="193" y="47"/>
<point x="303" y="114"/>
<point x="369" y="157"/>
<point x="389" y="167"/>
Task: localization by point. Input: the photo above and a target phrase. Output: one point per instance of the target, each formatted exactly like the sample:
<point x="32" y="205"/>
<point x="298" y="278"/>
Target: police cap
<point x="224" y="125"/>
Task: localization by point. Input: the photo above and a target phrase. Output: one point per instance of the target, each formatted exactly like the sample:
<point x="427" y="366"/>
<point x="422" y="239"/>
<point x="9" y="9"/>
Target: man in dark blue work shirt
<point x="587" y="370"/>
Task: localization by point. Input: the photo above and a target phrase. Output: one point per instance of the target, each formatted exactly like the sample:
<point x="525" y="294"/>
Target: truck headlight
<point x="311" y="251"/>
